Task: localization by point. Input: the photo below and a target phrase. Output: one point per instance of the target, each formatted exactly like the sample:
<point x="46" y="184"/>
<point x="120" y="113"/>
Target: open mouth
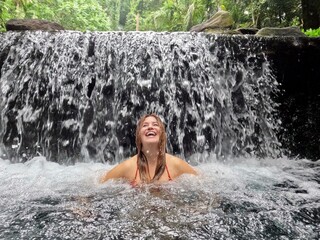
<point x="150" y="134"/>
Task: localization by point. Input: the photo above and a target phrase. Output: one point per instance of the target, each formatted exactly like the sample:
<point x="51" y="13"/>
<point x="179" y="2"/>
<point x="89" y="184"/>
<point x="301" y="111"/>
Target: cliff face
<point x="296" y="64"/>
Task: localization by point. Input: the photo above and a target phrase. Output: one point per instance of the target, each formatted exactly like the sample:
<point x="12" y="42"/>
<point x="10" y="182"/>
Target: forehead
<point x="150" y="119"/>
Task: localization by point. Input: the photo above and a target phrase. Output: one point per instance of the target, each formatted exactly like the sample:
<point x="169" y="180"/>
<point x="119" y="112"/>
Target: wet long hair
<point x="142" y="159"/>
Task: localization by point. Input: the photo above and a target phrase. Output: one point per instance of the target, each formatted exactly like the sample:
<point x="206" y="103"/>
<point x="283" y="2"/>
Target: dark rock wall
<point x="295" y="62"/>
<point x="296" y="65"/>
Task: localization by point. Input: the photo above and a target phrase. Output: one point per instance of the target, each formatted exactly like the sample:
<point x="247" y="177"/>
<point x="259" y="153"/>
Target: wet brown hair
<point x="142" y="159"/>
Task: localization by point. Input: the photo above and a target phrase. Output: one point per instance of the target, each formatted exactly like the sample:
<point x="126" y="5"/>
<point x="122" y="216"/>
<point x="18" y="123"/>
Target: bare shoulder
<point x="173" y="159"/>
<point x="179" y="166"/>
<point x="124" y="170"/>
<point x="131" y="162"/>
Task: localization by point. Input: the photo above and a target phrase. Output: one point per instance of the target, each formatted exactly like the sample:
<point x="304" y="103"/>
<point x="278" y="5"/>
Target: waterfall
<point x="73" y="96"/>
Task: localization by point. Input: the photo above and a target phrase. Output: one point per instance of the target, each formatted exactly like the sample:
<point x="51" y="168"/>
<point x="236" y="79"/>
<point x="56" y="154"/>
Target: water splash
<point x="242" y="198"/>
<point x="71" y="96"/>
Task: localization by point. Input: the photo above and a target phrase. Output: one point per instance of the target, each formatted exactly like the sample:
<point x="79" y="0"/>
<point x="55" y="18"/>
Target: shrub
<point x="312" y="32"/>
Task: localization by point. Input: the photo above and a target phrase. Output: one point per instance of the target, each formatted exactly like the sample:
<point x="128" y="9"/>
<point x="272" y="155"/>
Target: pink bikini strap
<point x="135" y="176"/>
<point x="134" y="182"/>
<point x="168" y="173"/>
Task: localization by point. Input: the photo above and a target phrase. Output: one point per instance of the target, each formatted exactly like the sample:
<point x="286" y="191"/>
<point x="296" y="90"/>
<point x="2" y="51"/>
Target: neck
<point x="151" y="153"/>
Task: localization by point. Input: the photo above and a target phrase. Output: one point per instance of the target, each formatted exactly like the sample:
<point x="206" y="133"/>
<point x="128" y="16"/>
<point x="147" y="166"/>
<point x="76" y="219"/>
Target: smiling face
<point x="150" y="131"/>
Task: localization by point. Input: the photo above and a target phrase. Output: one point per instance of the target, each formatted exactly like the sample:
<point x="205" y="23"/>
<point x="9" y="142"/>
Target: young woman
<point x="152" y="163"/>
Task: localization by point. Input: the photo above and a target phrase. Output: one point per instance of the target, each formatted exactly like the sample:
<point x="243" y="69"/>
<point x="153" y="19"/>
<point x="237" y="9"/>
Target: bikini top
<point x="134" y="182"/>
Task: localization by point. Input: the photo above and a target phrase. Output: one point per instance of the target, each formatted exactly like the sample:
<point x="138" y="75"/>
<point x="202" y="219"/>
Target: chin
<point x="151" y="141"/>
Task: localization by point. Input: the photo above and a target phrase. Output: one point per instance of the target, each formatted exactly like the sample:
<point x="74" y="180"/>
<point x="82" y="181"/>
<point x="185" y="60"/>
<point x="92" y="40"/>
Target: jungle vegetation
<point x="162" y="15"/>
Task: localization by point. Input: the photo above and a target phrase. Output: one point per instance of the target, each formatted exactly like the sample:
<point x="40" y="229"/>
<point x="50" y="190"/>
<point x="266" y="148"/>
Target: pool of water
<point x="233" y="199"/>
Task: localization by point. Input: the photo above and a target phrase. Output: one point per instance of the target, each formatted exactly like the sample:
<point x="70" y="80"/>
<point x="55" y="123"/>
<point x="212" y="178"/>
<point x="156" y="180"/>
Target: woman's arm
<point x="122" y="170"/>
<point x="184" y="167"/>
<point x="115" y="172"/>
<point x="178" y="166"/>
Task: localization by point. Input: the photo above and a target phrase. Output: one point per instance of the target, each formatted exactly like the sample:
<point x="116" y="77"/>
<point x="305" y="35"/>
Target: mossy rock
<point x="281" y="32"/>
<point x="220" y="20"/>
<point x="32" y="24"/>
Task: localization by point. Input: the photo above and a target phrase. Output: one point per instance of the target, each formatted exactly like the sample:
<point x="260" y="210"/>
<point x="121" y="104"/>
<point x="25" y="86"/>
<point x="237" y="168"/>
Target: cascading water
<point x="71" y="97"/>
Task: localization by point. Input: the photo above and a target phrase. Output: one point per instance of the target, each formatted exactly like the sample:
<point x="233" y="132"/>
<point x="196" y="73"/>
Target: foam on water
<point x="238" y="199"/>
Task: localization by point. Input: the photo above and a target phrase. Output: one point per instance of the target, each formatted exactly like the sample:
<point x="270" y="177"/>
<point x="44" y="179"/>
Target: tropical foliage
<point x="74" y="14"/>
<point x="155" y="15"/>
<point x="312" y="32"/>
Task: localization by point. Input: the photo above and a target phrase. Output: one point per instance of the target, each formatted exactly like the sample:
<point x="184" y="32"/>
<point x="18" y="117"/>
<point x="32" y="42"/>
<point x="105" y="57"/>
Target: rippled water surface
<point x="236" y="199"/>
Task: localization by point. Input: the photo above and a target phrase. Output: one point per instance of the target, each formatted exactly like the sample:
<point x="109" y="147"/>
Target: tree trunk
<point x="137" y="22"/>
<point x="310" y="14"/>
